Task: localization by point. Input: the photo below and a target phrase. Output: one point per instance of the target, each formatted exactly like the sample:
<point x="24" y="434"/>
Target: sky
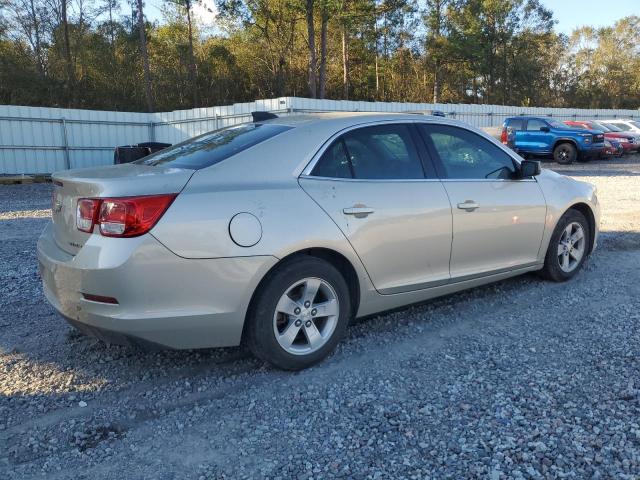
<point x="571" y="14"/>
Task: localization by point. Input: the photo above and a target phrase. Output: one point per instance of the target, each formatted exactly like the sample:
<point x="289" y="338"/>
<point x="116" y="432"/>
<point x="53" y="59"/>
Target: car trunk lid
<point x="114" y="181"/>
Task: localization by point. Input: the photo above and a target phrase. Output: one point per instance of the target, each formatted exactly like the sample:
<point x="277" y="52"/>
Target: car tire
<point x="288" y="340"/>
<point x="565" y="153"/>
<point x="560" y="262"/>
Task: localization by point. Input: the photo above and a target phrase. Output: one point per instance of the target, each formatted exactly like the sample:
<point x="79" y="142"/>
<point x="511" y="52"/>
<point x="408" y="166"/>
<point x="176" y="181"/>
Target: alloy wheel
<point x="306" y="316"/>
<point x="571" y="247"/>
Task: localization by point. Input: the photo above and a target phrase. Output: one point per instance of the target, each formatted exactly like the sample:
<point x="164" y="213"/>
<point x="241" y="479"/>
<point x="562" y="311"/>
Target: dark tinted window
<point x="535" y="125"/>
<point x="383" y="152"/>
<point x="516" y="124"/>
<point x="466" y="155"/>
<point x="334" y="162"/>
<point x="213" y="147"/>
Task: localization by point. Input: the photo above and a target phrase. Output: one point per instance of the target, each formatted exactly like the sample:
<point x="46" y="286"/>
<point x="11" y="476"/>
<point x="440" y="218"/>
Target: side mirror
<point x="529" y="168"/>
<point x="545" y="129"/>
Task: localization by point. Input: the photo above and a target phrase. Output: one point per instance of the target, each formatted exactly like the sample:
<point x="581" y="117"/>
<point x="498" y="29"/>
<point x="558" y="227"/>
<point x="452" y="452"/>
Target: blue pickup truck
<point x="545" y="137"/>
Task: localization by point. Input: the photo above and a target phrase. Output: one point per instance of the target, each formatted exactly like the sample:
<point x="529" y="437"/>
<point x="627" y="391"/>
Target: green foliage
<point x="462" y="51"/>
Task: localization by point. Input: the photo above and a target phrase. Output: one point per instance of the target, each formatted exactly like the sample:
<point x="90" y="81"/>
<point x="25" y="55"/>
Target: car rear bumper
<point x="163" y="299"/>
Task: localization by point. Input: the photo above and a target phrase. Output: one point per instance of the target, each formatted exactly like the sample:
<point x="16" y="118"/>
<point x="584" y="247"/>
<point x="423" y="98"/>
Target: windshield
<point x="635" y="124"/>
<point x="601" y="126"/>
<point x="213" y="147"/>
<point x="612" y="128"/>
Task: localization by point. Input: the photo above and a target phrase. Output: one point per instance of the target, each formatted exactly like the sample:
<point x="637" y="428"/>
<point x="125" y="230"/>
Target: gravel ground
<point x="520" y="379"/>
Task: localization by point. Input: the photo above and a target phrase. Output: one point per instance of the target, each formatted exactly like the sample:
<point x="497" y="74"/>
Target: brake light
<point x="122" y="217"/>
<point x="87" y="214"/>
<point x="132" y="216"/>
<point x="503" y="136"/>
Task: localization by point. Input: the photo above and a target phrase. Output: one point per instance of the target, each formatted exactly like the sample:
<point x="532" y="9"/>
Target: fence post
<point x="65" y="144"/>
<point x="152" y="132"/>
<point x="215" y="120"/>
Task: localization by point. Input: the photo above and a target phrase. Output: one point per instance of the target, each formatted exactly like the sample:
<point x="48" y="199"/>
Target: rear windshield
<point x="213" y="147"/>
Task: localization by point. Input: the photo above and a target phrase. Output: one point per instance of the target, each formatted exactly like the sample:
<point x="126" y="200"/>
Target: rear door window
<point x="516" y="124"/>
<point x="381" y="152"/>
<point x="213" y="147"/>
<point x="334" y="162"/>
<point x="534" y="125"/>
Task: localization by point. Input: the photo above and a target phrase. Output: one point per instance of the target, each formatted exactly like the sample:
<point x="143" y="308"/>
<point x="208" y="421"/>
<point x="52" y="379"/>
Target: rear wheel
<point x="565" y="153"/>
<point x="568" y="248"/>
<point x="300" y="314"/>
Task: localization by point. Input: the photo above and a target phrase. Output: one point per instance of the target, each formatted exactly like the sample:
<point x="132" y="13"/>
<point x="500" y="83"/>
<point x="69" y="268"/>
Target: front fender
<point x="562" y="193"/>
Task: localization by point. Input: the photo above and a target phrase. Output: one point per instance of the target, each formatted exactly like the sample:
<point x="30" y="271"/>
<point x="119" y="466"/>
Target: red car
<point x="629" y="142"/>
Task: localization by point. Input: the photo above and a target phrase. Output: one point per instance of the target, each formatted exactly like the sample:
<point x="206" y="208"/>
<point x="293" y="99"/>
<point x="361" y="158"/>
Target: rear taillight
<point x="503" y="136"/>
<point x="123" y="217"/>
<point x="132" y="216"/>
<point x="87" y="214"/>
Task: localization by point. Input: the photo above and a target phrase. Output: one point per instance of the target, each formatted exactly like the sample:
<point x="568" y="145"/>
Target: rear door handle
<point x="358" y="211"/>
<point x="468" y="205"/>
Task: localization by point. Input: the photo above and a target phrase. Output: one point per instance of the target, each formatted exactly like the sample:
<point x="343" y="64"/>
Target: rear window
<point x="213" y="147"/>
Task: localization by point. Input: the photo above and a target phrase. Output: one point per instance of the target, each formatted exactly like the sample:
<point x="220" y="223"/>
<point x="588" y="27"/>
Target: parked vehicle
<point x="629" y="141"/>
<point x="130" y="153"/>
<point x="277" y="233"/>
<point x="543" y="137"/>
<point x="631" y="126"/>
<point x="613" y="148"/>
<point x="617" y="129"/>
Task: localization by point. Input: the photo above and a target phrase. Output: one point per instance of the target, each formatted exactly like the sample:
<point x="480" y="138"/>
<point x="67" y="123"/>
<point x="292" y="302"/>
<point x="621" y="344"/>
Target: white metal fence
<point x="44" y="140"/>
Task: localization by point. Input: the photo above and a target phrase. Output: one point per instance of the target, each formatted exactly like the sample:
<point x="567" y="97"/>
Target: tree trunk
<point x="38" y="41"/>
<point x="323" y="50"/>
<point x="193" y="69"/>
<point x="145" y="57"/>
<point x="436" y="82"/>
<point x="375" y="29"/>
<point x="345" y="61"/>
<point x="111" y="36"/>
<point x="71" y="90"/>
<point x="312" y="49"/>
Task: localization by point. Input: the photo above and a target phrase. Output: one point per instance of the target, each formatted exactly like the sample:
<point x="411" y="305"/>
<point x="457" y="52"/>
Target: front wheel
<point x="300" y="314"/>
<point x="565" y="153"/>
<point x="568" y="248"/>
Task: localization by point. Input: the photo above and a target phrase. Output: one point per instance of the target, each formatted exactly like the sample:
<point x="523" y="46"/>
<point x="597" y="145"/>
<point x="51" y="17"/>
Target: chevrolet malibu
<point x="276" y="233"/>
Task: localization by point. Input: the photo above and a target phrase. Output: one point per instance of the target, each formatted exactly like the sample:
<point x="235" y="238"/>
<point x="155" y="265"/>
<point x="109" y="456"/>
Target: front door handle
<point x="468" y="205"/>
<point x="358" y="211"/>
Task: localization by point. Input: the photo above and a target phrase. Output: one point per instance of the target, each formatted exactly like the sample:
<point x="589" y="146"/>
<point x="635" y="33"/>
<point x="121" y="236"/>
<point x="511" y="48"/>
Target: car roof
<point x="342" y="119"/>
<point x="529" y="117"/>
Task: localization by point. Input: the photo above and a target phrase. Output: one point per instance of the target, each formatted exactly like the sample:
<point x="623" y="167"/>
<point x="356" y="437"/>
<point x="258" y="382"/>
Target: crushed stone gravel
<point x="522" y="379"/>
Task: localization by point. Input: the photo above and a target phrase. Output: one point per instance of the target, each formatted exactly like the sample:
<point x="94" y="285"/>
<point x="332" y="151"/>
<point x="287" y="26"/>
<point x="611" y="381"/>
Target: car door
<point x="389" y="204"/>
<point x="498" y="219"/>
<point x="538" y="140"/>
